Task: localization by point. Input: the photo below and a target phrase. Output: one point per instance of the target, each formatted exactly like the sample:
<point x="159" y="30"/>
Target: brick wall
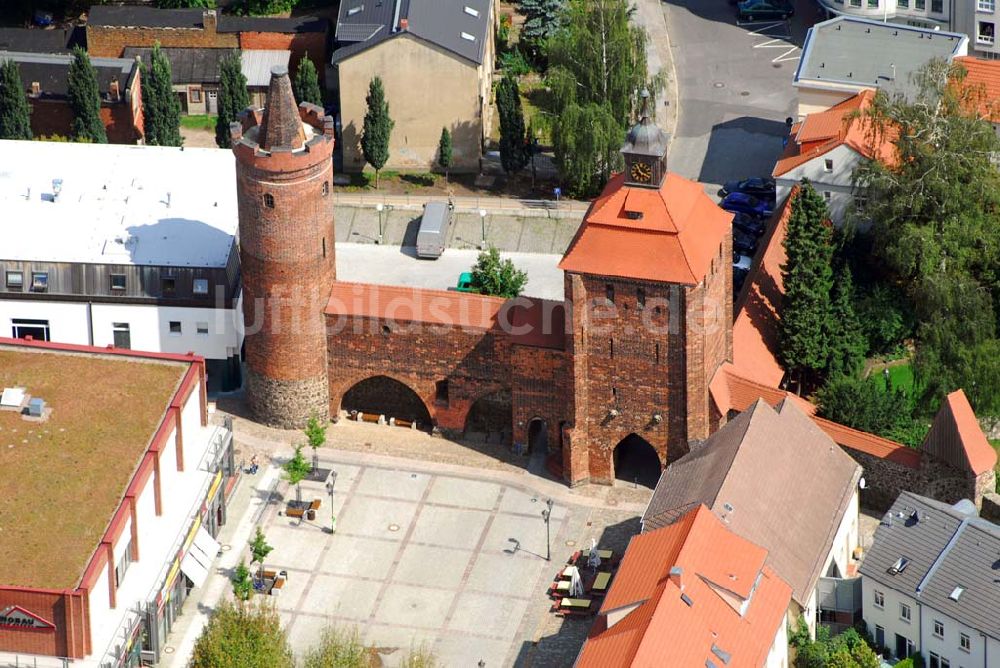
<point x="299" y="44"/>
<point x="66" y="610"/>
<point x="542" y="388"/>
<point x="630" y="359"/>
<point x="54" y="117"/>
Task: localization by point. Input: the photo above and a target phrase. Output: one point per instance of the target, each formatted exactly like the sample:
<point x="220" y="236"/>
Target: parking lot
<point x="735" y="88"/>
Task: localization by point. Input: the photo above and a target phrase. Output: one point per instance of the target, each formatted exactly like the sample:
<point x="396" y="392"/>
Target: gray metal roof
<point x="147" y="17"/>
<point x="51" y="71"/>
<point x="458" y="26"/>
<point x="256" y="64"/>
<point x="857" y="52"/>
<point x="195" y="65"/>
<point x="295" y="24"/>
<point x="762" y="460"/>
<point x="947" y="548"/>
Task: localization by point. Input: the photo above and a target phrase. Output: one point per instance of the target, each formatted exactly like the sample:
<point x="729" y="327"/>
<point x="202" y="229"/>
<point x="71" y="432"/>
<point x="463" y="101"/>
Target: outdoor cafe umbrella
<point x="593" y="559"/>
<point x="575" y="583"/>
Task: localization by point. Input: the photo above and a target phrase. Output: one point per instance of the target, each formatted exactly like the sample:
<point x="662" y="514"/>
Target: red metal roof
<point x="689" y="617"/>
<point x="669" y="235"/>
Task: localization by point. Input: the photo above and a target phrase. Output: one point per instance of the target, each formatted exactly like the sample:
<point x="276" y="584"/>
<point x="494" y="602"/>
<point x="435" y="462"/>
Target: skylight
<point x="899" y="566"/>
<point x="354" y="10"/>
<point x="471" y="38"/>
<point x="956" y="592"/>
<point x="471" y="11"/>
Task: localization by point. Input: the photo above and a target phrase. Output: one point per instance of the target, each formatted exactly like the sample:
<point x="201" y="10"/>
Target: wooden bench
<point x="295" y="512"/>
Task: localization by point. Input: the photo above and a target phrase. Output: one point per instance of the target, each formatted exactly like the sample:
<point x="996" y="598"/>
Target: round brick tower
<point x="284" y="178"/>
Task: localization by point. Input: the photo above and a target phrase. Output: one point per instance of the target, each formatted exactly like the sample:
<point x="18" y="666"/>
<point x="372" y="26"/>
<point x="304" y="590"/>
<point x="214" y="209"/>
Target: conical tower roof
<point x="646" y="137"/>
<point x="281" y="126"/>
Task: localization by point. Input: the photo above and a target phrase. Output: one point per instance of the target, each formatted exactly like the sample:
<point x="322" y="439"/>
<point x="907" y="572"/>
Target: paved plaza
<point x="444" y="561"/>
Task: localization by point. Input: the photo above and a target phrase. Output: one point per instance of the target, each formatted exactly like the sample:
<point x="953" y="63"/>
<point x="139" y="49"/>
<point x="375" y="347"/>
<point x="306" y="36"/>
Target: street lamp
<point x="547" y="516"/>
<point x="379" y="207"/>
<point x="482" y="218"/>
<point x="329" y="488"/>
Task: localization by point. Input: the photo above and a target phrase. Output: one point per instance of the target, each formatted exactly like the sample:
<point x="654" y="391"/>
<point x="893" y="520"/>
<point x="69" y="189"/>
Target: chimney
<point x="676" y="576"/>
<point x="210" y="20"/>
<point x="404" y="24"/>
<point x="36" y="88"/>
<point x="115" y="91"/>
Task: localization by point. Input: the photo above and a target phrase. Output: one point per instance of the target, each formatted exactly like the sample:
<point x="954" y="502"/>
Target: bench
<point x="295" y="512"/>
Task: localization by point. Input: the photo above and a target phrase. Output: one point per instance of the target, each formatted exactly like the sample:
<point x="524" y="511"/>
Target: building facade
<point x="98" y="251"/>
<point x="435" y="61"/>
<point x="46" y="80"/>
<point x="928" y="584"/>
<point x="112" y="601"/>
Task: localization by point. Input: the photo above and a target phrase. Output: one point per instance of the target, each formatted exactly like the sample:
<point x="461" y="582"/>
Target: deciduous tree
<point x="377" y="128"/>
<point x="259" y="547"/>
<point x="15" y="113"/>
<point x="161" y="108"/>
<point x="85" y="99"/>
<point x="268" y="7"/>
<point x="244" y="635"/>
<point x="233" y="97"/>
<point x="496" y="277"/>
<point x="597" y="67"/>
<point x="306" y="84"/>
<point x="296" y="469"/>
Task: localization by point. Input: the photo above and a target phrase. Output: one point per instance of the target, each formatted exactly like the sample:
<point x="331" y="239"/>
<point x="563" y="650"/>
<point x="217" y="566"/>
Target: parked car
<point x="739" y="278"/>
<point x="433" y="230"/>
<point x="740" y="202"/>
<point x="758" y="186"/>
<point x="741" y="261"/>
<point x="751" y="10"/>
<point x="749" y="224"/>
<point x="465" y="282"/>
<point x="744" y="243"/>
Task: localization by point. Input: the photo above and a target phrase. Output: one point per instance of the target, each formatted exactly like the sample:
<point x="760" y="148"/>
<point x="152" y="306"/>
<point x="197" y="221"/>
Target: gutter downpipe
<point x="90" y="324"/>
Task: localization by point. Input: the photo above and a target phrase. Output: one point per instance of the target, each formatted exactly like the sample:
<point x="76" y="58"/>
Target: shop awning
<point x="198" y="560"/>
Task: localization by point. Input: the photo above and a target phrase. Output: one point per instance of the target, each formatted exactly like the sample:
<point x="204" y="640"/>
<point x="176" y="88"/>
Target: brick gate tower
<point x="284" y="177"/>
<point x="649" y="282"/>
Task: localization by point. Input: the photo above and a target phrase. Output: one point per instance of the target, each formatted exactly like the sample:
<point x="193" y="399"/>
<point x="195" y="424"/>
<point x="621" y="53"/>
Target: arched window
<point x="326" y="188"/>
<point x="269" y="200"/>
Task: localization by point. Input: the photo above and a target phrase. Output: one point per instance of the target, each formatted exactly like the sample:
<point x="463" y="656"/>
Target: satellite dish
<point x="861" y="483"/>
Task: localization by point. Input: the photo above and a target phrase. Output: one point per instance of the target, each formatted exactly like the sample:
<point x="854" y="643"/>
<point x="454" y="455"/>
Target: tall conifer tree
<point x="306" y="83"/>
<point x="377" y="128"/>
<point x="85" y="99"/>
<point x="233" y="97"/>
<point x="161" y="108"/>
<point x="15" y="114"/>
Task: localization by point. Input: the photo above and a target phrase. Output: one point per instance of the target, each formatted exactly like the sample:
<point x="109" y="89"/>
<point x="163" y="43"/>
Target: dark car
<point x="744" y="243"/>
<point x="751" y="10"/>
<point x="740" y="202"/>
<point x="762" y="187"/>
<point x="744" y="222"/>
<point x="739" y="277"/>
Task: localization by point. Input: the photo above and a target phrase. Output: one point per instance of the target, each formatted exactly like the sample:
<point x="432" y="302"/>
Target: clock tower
<point x="645" y="151"/>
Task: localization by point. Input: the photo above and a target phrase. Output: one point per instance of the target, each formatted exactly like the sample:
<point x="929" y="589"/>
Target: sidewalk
<point x="659" y="59"/>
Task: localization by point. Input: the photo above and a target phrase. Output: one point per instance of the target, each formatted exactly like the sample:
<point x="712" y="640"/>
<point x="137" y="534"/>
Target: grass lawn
<point x="900" y="377"/>
<point x="406" y="180"/>
<point x="62" y="479"/>
<point x="198" y="122"/>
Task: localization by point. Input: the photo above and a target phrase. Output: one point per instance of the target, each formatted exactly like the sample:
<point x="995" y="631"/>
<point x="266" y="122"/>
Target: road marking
<point x="778" y="40"/>
<point x="785" y="56"/>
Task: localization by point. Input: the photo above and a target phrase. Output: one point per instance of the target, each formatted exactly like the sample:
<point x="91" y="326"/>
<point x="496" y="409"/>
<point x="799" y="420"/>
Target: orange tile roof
<point x="824" y="131"/>
<point x="756" y="334"/>
<point x="984" y="74"/>
<point x="670" y="234"/>
<point x="732" y="391"/>
<point x="539" y="323"/>
<point x="956" y="437"/>
<point x="719" y="572"/>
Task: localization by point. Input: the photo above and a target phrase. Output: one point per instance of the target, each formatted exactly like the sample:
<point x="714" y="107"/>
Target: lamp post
<point x="329" y="488"/>
<point x="379" y="207"/>
<point x="534" y="151"/>
<point x="482" y="219"/>
<point x="547" y="516"/>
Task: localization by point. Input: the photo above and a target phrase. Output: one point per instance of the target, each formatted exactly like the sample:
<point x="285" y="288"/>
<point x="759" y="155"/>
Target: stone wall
<point x="885" y="479"/>
<point x="286" y="404"/>
<point x="991" y="507"/>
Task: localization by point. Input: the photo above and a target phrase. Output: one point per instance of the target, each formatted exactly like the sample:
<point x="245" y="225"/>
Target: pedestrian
<point x="254" y="465"/>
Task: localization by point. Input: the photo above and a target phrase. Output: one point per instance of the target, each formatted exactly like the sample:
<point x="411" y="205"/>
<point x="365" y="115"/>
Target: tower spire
<point x="281" y="126"/>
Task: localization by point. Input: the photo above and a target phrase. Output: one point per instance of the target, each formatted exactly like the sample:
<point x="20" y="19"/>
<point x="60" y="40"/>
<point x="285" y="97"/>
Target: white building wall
<point x="949" y="647"/>
<point x="837" y="182"/>
<point x="123" y="541"/>
<point x="149" y="325"/>
<point x="812" y="100"/>
<point x="846" y="539"/>
<point x="778" y="656"/>
<point x="888" y="616"/>
<point x="157" y="536"/>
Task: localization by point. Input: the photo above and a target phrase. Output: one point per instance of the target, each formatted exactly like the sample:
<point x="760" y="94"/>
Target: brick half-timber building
<point x="621" y="368"/>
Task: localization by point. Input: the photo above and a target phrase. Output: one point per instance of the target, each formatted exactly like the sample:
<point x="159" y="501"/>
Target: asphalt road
<point x="735" y="88"/>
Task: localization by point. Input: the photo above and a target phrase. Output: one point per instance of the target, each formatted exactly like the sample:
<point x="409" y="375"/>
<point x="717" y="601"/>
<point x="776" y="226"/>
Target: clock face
<point x="641" y="172"/>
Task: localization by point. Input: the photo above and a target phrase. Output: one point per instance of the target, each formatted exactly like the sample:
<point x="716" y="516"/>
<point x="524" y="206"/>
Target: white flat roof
<point x="118" y="204"/>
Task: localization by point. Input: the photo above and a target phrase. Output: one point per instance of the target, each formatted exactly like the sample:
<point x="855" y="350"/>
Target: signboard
<point x="16" y="617"/>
